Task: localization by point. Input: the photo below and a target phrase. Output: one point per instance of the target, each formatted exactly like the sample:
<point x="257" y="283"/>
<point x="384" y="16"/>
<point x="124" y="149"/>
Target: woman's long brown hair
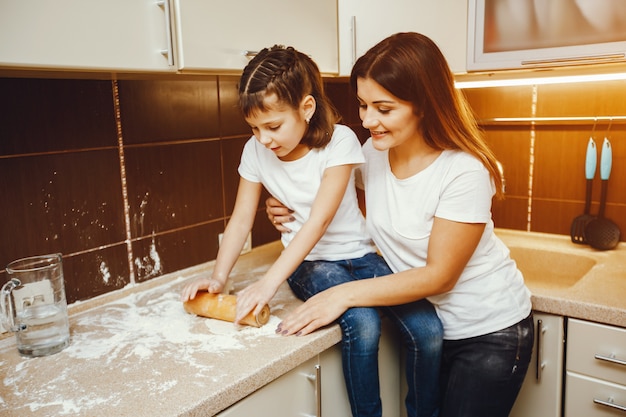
<point x="411" y="67"/>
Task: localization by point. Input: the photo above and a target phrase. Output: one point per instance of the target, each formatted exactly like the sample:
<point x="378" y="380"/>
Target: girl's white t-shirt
<point x="295" y="184"/>
<point x="490" y="294"/>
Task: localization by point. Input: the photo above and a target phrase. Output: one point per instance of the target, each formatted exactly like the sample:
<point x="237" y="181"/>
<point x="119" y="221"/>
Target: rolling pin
<point x="223" y="307"/>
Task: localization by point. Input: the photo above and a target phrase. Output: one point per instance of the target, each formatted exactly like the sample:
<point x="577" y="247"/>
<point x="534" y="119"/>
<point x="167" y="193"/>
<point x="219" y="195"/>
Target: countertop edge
<point x="279" y="366"/>
<point x="579" y="310"/>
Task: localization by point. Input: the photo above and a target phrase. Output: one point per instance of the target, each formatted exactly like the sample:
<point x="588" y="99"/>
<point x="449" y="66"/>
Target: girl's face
<point x="281" y="128"/>
<point x="390" y="120"/>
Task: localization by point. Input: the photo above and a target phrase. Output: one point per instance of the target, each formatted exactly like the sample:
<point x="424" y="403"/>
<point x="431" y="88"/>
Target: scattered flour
<point x="129" y="334"/>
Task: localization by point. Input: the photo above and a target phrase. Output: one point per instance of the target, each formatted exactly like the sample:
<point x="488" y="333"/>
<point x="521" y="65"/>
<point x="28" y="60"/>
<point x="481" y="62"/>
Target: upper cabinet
<point x="162" y="36"/>
<point x="108" y="35"/>
<point x="223" y="36"/>
<point x="363" y="23"/>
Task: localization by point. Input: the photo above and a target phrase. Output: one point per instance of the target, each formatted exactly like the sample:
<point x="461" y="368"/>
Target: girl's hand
<point x="278" y="214"/>
<point x="209" y="284"/>
<point x="321" y="309"/>
<point x="253" y="298"/>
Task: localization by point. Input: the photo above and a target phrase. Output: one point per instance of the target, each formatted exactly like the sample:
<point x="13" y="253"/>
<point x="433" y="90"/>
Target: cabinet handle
<point x="318" y="389"/>
<point x="250" y="54"/>
<point x="610" y="403"/>
<point x="167" y="52"/>
<point x="317" y="378"/>
<point x="611" y="358"/>
<point x="539" y="365"/>
<point x="353" y="27"/>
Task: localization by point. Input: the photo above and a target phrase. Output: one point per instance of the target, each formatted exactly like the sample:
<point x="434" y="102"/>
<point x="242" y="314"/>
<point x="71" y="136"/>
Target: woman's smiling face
<point x="390" y="120"/>
<point x="280" y="128"/>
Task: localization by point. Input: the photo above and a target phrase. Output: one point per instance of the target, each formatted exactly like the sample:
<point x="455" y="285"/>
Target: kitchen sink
<point x="551" y="269"/>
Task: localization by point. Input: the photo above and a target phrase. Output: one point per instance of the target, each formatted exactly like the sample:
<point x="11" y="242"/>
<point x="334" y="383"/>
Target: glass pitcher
<point x="33" y="305"/>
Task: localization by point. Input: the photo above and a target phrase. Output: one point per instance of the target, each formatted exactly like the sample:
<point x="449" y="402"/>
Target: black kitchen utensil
<point x="577" y="230"/>
<point x="602" y="233"/>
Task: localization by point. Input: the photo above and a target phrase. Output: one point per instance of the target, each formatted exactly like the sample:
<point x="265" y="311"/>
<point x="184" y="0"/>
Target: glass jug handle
<point x="7" y="305"/>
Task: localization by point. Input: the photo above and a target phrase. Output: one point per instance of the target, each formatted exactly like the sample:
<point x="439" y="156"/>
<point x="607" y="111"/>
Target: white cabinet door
<point x="335" y="401"/>
<point x="84" y="35"/>
<point x="216" y="36"/>
<point x="293" y="394"/>
<point x="541" y="393"/>
<point x="363" y="23"/>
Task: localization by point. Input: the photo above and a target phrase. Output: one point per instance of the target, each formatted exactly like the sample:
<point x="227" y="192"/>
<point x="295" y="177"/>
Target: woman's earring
<point x="307" y="120"/>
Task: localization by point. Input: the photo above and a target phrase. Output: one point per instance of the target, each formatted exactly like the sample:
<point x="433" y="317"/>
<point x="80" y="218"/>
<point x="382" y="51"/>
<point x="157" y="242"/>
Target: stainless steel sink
<point x="551" y="269"/>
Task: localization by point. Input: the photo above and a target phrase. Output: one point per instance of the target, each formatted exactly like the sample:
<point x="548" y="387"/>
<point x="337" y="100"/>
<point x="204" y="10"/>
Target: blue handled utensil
<point x="577" y="229"/>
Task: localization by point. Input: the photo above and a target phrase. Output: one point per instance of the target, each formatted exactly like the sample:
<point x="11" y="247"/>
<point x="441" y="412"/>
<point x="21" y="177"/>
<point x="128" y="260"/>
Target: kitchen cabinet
<point x="116" y="35"/>
<point x="363" y="23"/>
<point x="542" y="389"/>
<point x="320" y="381"/>
<point x="162" y="36"/>
<point x="211" y="37"/>
<point x="596" y="370"/>
<point x="292" y="394"/>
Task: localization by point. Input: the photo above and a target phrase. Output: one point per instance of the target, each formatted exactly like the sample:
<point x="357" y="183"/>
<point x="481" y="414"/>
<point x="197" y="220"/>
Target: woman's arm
<point x="450" y="247"/>
<point x="278" y="214"/>
<point x="235" y="234"/>
<point x="327" y="200"/>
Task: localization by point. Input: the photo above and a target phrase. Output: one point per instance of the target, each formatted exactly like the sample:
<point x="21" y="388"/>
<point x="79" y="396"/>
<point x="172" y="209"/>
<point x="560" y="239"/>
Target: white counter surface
<point x="137" y="353"/>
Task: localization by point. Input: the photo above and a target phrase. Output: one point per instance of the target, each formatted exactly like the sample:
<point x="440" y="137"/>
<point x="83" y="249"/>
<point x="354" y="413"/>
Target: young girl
<point x="429" y="179"/>
<point x="304" y="159"/>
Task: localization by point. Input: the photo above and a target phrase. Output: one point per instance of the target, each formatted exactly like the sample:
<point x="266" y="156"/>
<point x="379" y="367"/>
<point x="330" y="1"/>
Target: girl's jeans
<point x="481" y="376"/>
<point x="418" y="324"/>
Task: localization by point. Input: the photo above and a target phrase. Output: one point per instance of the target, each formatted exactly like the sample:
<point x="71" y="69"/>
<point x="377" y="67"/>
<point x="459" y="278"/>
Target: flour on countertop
<point x="128" y="334"/>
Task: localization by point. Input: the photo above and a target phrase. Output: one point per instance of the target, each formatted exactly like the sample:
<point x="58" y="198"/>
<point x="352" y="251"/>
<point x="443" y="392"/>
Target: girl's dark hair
<point x="411" y="67"/>
<point x="291" y="75"/>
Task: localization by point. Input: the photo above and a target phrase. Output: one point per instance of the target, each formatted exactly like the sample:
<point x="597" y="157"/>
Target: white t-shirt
<point x="295" y="184"/>
<point x="490" y="294"/>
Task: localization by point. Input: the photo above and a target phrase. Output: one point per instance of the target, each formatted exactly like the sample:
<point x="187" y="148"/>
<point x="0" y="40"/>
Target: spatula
<point x="601" y="233"/>
<point x="577" y="230"/>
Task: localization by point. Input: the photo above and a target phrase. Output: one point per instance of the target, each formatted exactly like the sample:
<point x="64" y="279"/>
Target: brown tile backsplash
<point x="174" y="250"/>
<point x="232" y="122"/>
<point x="124" y="207"/>
<point x="544" y="164"/>
<point x="60" y="202"/>
<point x="96" y="272"/>
<point x="45" y="115"/>
<point x="172" y="186"/>
<point x="164" y="111"/>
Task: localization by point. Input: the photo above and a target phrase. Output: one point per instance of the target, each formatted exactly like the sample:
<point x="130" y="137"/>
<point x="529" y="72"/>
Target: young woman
<point x="302" y="157"/>
<point x="429" y="179"/>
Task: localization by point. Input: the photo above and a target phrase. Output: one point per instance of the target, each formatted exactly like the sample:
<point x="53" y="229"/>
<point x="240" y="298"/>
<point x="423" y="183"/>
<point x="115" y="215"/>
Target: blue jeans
<point x="481" y="376"/>
<point x="418" y="324"/>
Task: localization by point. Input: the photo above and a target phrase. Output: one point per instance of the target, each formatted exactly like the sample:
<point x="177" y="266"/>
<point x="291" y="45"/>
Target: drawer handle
<point x="610" y="403"/>
<point x="611" y="359"/>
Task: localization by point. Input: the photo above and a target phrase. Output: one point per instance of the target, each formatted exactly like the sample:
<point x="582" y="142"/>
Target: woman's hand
<point x="321" y="309"/>
<point x="278" y="214"/>
<point x="209" y="284"/>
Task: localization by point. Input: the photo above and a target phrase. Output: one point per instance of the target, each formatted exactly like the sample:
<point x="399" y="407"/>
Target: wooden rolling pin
<point x="223" y="307"/>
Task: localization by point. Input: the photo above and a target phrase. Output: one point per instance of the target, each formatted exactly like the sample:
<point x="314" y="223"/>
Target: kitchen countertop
<point x="600" y="295"/>
<point x="136" y="352"/>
